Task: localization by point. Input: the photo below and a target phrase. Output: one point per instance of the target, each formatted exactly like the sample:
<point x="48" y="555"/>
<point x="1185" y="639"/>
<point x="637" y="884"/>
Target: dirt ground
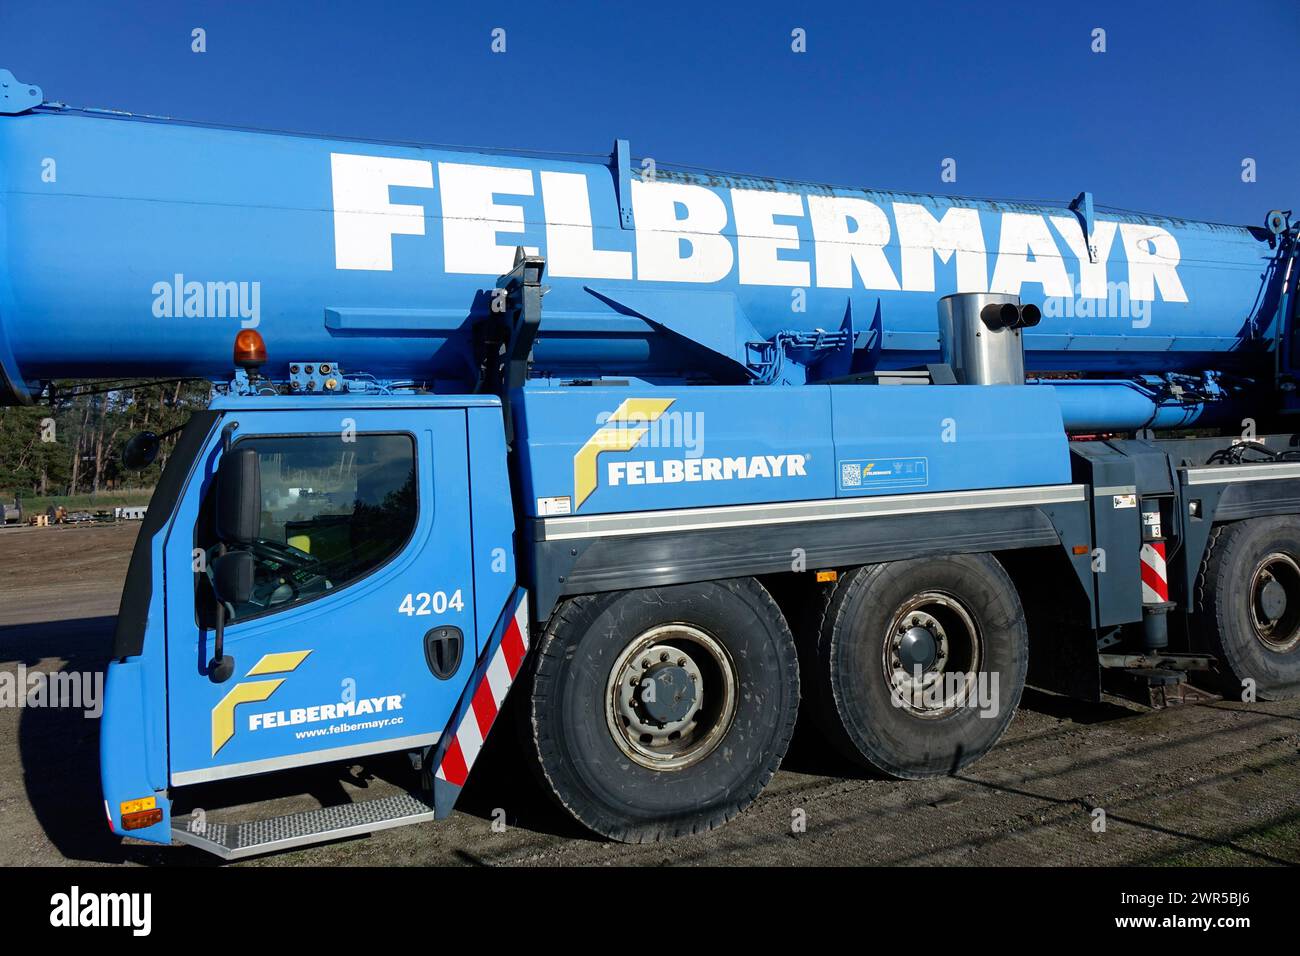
<point x="1214" y="784"/>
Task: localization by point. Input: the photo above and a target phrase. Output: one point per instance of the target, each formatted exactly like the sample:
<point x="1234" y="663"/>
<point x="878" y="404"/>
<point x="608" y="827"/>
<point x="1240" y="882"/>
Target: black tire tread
<point x="550" y="657"/>
<point x="820" y="696"/>
<point x="1211" y="606"/>
<point x="824" y="711"/>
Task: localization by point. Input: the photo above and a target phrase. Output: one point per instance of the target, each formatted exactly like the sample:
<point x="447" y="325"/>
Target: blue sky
<point x="1012" y="91"/>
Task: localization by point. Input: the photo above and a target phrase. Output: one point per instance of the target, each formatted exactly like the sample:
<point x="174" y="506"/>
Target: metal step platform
<point x="233" y="841"/>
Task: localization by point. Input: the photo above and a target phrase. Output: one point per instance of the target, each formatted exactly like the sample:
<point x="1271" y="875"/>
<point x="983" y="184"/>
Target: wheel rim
<point x="931" y="654"/>
<point x="1275" y="602"/>
<point x="671" y="697"/>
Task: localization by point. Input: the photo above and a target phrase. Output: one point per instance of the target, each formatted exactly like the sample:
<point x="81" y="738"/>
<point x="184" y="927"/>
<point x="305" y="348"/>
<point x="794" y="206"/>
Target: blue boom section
<point x="598" y="450"/>
<point x="133" y="247"/>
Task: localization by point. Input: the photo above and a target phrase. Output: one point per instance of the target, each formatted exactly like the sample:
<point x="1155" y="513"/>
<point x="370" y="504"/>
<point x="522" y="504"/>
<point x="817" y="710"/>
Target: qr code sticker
<point x="851" y="475"/>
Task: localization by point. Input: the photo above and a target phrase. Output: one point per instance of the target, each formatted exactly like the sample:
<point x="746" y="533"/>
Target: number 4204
<point x="424" y="603"/>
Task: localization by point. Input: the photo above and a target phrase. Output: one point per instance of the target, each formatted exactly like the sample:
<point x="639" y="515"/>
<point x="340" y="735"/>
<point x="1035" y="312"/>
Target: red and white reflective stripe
<point x="487" y="700"/>
<point x="1155" y="580"/>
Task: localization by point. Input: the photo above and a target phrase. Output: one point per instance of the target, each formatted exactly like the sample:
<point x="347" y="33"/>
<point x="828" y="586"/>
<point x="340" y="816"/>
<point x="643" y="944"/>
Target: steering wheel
<point x="283" y="552"/>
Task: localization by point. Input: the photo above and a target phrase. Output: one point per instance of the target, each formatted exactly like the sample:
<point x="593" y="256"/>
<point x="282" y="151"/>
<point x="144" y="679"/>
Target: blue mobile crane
<point x="676" y="454"/>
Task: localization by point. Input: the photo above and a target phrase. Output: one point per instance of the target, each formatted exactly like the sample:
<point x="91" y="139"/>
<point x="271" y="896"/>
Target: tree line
<point x="72" y="444"/>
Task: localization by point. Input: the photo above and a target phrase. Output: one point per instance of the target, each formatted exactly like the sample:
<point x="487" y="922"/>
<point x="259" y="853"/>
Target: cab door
<point x="358" y="636"/>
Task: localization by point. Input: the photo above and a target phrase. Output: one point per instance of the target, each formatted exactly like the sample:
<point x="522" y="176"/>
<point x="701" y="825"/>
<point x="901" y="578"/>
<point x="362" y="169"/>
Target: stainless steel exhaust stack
<point x="979" y="337"/>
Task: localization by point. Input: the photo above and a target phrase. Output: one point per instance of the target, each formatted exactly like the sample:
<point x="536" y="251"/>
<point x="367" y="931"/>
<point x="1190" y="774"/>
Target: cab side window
<point x="332" y="511"/>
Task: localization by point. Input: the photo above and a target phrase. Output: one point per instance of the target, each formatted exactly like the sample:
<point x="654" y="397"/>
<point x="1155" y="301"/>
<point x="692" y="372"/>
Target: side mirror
<point x="140" y="451"/>
<point x="239" y="497"/>
<point x="238" y="517"/>
<point x="232" y="577"/>
<point x="232" y="582"/>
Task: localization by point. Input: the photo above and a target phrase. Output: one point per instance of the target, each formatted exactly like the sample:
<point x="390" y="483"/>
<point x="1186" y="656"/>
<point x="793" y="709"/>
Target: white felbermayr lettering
<point x="570" y="244"/>
<point x="681" y="235"/>
<point x="672" y="471"/>
<point x="1092" y="275"/>
<point x="660" y="233"/>
<point x="472" y="218"/>
<point x="922" y="237"/>
<point x="1153" y="258"/>
<point x="364" y="219"/>
<point x="759" y="238"/>
<point x="1024" y="235"/>
<point x="324" y="712"/>
<point x="839" y="249"/>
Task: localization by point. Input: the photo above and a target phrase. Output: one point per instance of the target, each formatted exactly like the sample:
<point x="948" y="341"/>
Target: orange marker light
<point x="250" y="350"/>
<point x="138" y="821"/>
<point x="825" y="577"/>
<point x="1080" y="549"/>
<point x="138" y="814"/>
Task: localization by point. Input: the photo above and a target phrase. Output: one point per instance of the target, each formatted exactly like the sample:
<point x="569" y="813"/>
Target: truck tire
<point x="662" y="712"/>
<point x="957" y="623"/>
<point x="1247" y="605"/>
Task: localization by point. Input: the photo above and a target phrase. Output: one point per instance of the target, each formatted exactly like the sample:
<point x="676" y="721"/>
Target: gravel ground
<point x="1213" y="784"/>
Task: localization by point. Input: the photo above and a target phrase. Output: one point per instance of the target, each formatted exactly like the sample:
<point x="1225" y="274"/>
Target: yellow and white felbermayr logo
<point x="631" y="422"/>
<point x="247" y="692"/>
<point x="621" y="432"/>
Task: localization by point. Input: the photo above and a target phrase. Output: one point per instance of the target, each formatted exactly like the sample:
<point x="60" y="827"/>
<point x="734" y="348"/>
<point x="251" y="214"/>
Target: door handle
<point x="443" y="647"/>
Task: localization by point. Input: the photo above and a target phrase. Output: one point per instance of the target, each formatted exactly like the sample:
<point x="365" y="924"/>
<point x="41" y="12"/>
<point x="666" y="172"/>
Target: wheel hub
<point x="931" y="637"/>
<point x="918" y="648"/>
<point x="1271" y="602"/>
<point x="1275" y="602"/>
<point x="672" y="696"/>
<point x="668" y="695"/>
